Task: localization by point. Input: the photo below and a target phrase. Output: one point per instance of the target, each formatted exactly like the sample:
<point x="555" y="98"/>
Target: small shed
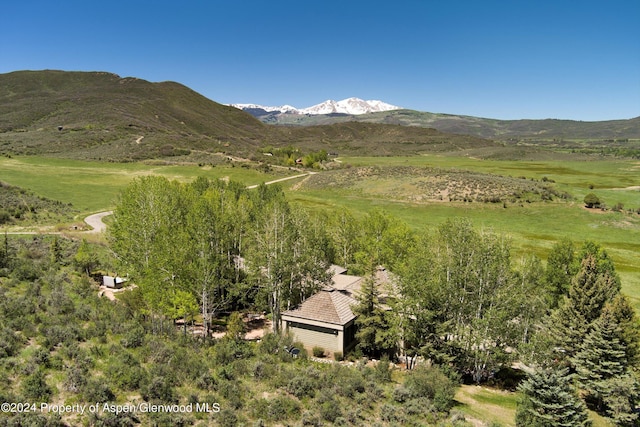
<point x="113" y="282"/>
<point x="323" y="320"/>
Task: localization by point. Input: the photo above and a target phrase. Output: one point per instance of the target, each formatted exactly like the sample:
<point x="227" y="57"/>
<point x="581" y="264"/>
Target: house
<point x="324" y="320"/>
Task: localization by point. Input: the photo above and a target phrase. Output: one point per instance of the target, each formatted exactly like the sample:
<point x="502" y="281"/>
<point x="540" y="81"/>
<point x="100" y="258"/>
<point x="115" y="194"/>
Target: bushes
<point x="127" y="374"/>
<point x="10" y="343"/>
<point x="275" y="409"/>
<point x="429" y="382"/>
<point x="301" y="386"/>
<point x="35" y="387"/>
<point x="159" y="388"/>
<point x="96" y="390"/>
<point x="318" y="351"/>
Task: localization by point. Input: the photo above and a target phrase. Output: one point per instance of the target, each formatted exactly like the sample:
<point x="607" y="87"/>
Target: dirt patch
<point x="109" y="293"/>
<point x="594" y="210"/>
<point x="257" y="325"/>
<point x="632" y="188"/>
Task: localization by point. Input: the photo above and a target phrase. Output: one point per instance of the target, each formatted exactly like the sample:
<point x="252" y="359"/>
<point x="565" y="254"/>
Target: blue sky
<point x="500" y="59"/>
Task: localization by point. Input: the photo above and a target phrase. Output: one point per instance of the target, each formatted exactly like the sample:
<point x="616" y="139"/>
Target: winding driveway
<point x="95" y="221"/>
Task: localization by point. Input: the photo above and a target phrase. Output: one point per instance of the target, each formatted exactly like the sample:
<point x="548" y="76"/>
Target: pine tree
<point x="374" y="333"/>
<point x="591" y="288"/>
<point x="603" y="369"/>
<point x="549" y="400"/>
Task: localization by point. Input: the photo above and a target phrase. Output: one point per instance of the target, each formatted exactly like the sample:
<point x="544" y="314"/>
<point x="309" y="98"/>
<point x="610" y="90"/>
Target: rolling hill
<point x="99" y="115"/>
<point x="476" y="126"/>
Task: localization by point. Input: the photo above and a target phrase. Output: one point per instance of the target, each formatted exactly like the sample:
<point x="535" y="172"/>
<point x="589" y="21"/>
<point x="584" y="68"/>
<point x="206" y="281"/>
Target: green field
<point x="532" y="227"/>
<point x="93" y="186"/>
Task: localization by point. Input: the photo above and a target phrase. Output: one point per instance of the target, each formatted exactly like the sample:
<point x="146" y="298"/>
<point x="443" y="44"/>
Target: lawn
<point x="491" y="405"/>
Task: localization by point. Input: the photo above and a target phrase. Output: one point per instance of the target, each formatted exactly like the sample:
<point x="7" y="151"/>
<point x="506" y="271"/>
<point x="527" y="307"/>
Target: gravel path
<point x="95" y="221"/>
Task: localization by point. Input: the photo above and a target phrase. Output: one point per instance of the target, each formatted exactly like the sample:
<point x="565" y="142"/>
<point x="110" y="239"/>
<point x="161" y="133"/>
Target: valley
<point x="75" y="144"/>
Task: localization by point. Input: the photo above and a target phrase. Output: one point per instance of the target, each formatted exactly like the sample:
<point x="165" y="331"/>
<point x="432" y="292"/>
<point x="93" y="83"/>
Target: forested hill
<point x="98" y="115"/>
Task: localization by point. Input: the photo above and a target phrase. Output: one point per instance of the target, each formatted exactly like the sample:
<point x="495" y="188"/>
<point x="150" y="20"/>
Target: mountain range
<point x="102" y="116"/>
<point x="357" y="110"/>
<point x="351" y="106"/>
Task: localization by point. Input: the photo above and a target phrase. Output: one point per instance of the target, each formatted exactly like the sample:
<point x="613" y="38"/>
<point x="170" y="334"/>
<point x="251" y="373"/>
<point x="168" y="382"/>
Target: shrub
<point x="282" y="408"/>
<point x="76" y="379"/>
<point x="128" y="375"/>
<point x="432" y="383"/>
<point x="591" y="200"/>
<point x="227" y="418"/>
<point x="95" y="390"/>
<point x="134" y="337"/>
<point x="392" y="414"/>
<point x="10" y="343"/>
<point x="330" y="410"/>
<point x="382" y="370"/>
<point x="338" y="356"/>
<point x="5" y="217"/>
<point x="35" y="387"/>
<point x="401" y="394"/>
<point x="158" y="388"/>
<point x="206" y="382"/>
<point x="301" y="386"/>
<point x="318" y="351"/>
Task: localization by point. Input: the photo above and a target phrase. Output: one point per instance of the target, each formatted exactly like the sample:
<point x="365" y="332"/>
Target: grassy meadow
<point x="532" y="227"/>
<point x="94" y="186"/>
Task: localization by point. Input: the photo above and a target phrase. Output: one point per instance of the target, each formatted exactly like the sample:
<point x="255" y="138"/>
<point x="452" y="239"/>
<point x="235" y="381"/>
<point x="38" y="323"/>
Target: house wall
<point x="311" y="336"/>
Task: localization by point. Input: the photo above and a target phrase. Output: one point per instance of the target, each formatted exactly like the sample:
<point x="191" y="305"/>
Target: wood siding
<point x="311" y="338"/>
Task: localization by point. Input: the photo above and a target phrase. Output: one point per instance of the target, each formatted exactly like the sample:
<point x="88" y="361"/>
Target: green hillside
<point x="480" y="127"/>
<point x="97" y="115"/>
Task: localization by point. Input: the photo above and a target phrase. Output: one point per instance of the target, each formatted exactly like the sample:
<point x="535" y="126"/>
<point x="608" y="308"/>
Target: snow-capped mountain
<point x="349" y="106"/>
<point x="281" y="109"/>
<point x="353" y="106"/>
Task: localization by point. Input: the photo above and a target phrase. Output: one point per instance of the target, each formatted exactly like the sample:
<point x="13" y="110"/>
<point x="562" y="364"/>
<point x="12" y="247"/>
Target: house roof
<point x="336" y="269"/>
<point x="328" y="305"/>
<point x="345" y="282"/>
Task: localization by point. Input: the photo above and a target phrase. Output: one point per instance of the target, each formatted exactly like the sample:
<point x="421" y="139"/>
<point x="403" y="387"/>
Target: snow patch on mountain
<point x="353" y="106"/>
<point x="282" y="108"/>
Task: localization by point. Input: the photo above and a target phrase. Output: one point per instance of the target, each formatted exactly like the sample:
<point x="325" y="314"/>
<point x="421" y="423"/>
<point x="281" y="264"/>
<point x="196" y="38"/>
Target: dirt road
<point x="95" y="221"/>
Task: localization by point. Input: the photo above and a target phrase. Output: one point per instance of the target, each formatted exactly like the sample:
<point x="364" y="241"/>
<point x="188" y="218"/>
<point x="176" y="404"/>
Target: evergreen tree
<point x="603" y="369"/>
<point x="549" y="400"/>
<point x="625" y="316"/>
<point x="374" y="332"/>
<point x="590" y="290"/>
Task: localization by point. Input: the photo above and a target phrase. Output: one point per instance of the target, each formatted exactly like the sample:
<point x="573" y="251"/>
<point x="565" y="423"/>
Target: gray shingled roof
<point x="328" y="305"/>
